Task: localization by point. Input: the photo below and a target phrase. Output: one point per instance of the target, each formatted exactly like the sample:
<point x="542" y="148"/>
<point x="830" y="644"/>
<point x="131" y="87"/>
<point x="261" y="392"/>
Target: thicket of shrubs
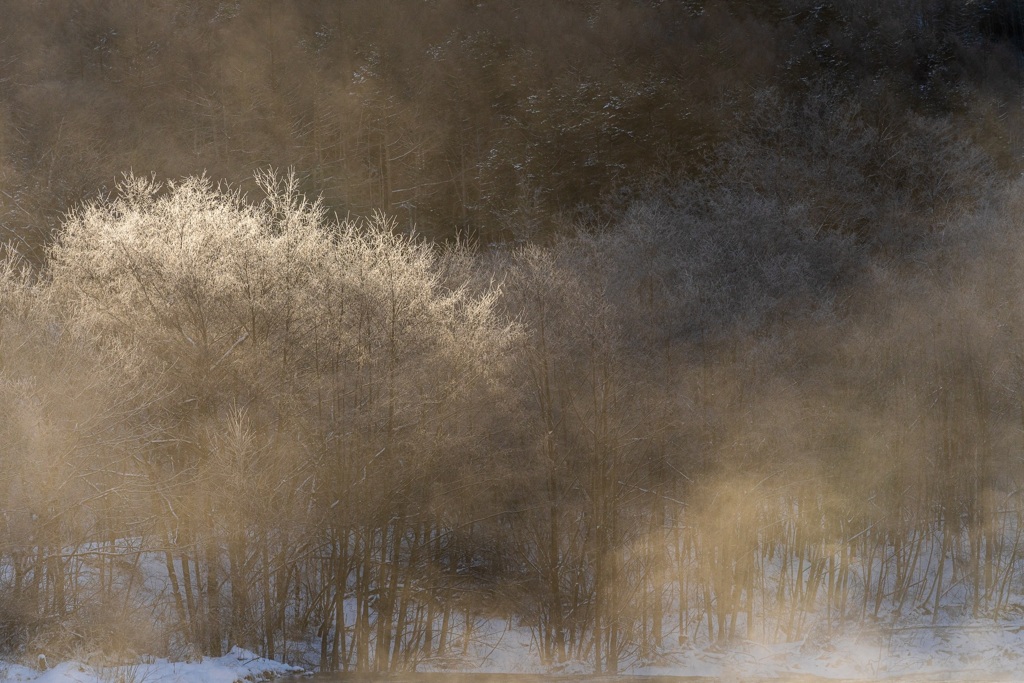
<point x="717" y="419"/>
<point x="732" y="350"/>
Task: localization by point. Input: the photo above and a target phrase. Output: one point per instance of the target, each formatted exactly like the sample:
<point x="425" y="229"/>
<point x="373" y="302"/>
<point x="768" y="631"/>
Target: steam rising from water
<point x="776" y="402"/>
<point x="258" y="426"/>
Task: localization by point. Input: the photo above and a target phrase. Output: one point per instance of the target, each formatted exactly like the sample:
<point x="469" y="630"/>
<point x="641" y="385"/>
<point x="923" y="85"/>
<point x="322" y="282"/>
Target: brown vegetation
<point x="740" y="357"/>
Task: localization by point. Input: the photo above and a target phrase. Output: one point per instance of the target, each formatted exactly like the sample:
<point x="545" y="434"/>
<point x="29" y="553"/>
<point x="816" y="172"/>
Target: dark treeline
<point x="496" y="120"/>
<point x="714" y="332"/>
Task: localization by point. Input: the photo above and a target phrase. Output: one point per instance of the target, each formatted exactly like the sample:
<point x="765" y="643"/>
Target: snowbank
<point x="968" y="649"/>
<point x="237" y="665"/>
<point x="961" y="650"/>
<point x="973" y="650"/>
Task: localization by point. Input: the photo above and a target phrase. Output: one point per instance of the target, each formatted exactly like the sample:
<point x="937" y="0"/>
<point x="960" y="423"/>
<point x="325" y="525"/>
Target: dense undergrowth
<point x="717" y="419"/>
<point x="731" y="357"/>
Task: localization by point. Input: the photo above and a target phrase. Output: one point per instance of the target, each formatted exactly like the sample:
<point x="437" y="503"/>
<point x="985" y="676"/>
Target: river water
<point x="488" y="678"/>
<point x="527" y="678"/>
<point x="530" y="678"/>
<point x="478" y="678"/>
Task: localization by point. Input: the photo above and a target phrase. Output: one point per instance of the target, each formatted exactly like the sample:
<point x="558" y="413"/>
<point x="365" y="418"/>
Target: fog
<point x="340" y="331"/>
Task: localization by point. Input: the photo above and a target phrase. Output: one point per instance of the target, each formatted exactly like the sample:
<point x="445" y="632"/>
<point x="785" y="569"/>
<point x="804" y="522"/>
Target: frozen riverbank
<point x="237" y="665"/>
<point x="969" y="651"/>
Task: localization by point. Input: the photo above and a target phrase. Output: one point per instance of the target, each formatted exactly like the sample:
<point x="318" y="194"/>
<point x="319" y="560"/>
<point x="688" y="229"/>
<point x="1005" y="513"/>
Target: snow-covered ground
<point x="237" y="665"/>
<point x="975" y="650"/>
<point x="969" y="651"/>
<point x="972" y="650"/>
<point x="956" y="647"/>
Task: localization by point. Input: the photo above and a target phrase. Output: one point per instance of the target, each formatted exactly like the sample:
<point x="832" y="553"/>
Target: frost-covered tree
<point x="341" y="358"/>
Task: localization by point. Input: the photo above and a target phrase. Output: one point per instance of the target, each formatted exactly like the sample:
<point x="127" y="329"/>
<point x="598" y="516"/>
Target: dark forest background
<point x="640" y="325"/>
<point x="499" y="121"/>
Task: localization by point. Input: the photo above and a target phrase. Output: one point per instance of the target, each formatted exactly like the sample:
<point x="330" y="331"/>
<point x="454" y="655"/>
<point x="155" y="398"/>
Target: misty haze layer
<point x="702" y="325"/>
